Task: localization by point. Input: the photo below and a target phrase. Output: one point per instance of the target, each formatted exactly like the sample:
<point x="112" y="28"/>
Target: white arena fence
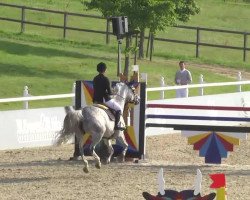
<point x="207" y="98"/>
<point x="27" y="127"/>
<point x="200" y="86"/>
<point x="57" y="96"/>
<point x="28" y="97"/>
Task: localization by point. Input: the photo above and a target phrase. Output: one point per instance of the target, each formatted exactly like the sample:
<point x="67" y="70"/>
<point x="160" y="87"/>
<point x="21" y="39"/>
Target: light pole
<point x="120" y="28"/>
<point x="119" y="57"/>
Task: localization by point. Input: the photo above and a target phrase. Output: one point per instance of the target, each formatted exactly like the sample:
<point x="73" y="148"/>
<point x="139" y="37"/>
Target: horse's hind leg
<point x="123" y="142"/>
<point x="96" y="138"/>
<point x="79" y="137"/>
<point x="110" y="150"/>
<point x="97" y="158"/>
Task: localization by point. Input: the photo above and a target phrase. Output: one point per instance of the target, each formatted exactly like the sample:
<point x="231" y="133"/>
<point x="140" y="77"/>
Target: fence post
<point x="149" y="38"/>
<point x="162" y="85"/>
<point x="65" y="17"/>
<point x="239" y="79"/>
<point x="74" y="91"/>
<point x="197" y="41"/>
<point x="136" y="44"/>
<point x="151" y="46"/>
<point x="144" y="77"/>
<point x="26" y="94"/>
<point x="245" y="48"/>
<point x="201" y="92"/>
<point x="23" y="20"/>
<point x="107" y="31"/>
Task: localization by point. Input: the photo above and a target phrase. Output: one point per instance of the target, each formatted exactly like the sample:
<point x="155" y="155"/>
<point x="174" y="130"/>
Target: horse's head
<point x="135" y="99"/>
<point x="126" y="92"/>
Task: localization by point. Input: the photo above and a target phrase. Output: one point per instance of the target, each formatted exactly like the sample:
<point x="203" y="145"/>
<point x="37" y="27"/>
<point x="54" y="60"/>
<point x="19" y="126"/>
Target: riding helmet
<point x="101" y="67"/>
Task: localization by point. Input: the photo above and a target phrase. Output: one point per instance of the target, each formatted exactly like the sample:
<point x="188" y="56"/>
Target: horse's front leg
<point x="110" y="150"/>
<point x="79" y="137"/>
<point x="121" y="138"/>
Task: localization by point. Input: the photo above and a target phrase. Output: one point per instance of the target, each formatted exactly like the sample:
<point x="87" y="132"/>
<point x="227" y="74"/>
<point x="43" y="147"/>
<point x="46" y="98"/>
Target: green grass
<point x="48" y="64"/>
<point x="230" y="15"/>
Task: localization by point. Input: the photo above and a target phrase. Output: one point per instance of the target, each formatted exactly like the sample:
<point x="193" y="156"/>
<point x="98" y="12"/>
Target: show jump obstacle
<point x="212" y="123"/>
<point x="134" y="133"/>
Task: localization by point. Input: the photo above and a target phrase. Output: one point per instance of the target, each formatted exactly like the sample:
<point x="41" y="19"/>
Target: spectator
<point x="182" y="77"/>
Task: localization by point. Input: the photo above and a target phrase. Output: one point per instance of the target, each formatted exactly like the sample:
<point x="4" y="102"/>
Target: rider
<point x="102" y="92"/>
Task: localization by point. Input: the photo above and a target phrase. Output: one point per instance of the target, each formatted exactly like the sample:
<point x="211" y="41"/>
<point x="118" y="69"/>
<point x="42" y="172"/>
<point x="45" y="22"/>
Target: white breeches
<point x="113" y="105"/>
<point x="180" y="93"/>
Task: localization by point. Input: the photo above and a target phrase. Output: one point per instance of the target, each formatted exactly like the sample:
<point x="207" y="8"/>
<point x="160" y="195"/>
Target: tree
<point x="147" y="14"/>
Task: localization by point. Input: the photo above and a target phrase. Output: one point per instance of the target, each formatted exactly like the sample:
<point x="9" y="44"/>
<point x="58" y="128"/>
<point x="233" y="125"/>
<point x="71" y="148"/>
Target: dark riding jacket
<point x="102" y="89"/>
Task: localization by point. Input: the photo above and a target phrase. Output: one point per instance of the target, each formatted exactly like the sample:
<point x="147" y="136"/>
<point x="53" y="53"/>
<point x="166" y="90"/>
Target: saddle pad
<point x="107" y="110"/>
<point x="101" y="106"/>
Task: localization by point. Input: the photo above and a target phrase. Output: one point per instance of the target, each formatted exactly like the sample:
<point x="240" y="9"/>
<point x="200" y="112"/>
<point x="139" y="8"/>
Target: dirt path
<point x="230" y="72"/>
<point x="45" y="173"/>
<point x="217" y="69"/>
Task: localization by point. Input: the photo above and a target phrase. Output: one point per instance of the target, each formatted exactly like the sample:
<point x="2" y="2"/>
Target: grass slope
<point x="48" y="64"/>
<point x="230" y="15"/>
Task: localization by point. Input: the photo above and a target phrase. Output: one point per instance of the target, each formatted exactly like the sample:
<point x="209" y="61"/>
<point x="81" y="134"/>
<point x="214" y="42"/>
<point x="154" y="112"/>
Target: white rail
<point x="58" y="96"/>
<point x="197" y="86"/>
<point x="27" y="97"/>
<point x="72" y="95"/>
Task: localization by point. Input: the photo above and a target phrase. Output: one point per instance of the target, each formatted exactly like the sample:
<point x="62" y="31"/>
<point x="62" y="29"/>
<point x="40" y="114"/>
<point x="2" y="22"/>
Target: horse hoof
<point x="121" y="159"/>
<point x="75" y="158"/>
<point x="86" y="169"/>
<point x="108" y="161"/>
<point x="105" y="162"/>
<point x="98" y="165"/>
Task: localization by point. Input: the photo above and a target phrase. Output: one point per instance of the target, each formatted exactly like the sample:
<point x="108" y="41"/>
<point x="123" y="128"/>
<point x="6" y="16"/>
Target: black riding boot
<point x="117" y="120"/>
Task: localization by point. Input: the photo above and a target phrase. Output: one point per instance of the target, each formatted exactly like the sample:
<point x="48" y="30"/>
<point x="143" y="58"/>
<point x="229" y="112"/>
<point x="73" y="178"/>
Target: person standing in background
<point x="182" y="77"/>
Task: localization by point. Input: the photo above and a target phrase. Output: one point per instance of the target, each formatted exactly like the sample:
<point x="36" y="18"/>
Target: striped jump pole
<point x="213" y="130"/>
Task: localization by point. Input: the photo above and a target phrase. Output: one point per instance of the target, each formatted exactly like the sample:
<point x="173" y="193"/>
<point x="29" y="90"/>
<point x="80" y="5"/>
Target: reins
<point x="120" y="96"/>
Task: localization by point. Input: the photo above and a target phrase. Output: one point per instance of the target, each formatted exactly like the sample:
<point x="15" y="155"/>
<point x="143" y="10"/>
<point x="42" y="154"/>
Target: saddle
<point x="110" y="112"/>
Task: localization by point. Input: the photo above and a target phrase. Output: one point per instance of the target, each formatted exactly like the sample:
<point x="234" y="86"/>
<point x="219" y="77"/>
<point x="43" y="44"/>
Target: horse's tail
<point x="70" y="124"/>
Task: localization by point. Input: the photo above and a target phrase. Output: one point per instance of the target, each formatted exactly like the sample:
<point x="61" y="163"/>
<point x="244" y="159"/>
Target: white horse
<point x="96" y="122"/>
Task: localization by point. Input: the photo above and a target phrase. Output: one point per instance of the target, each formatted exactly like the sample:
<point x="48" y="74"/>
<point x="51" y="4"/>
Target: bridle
<point x="123" y="98"/>
<point x="136" y="98"/>
<point x="134" y="101"/>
